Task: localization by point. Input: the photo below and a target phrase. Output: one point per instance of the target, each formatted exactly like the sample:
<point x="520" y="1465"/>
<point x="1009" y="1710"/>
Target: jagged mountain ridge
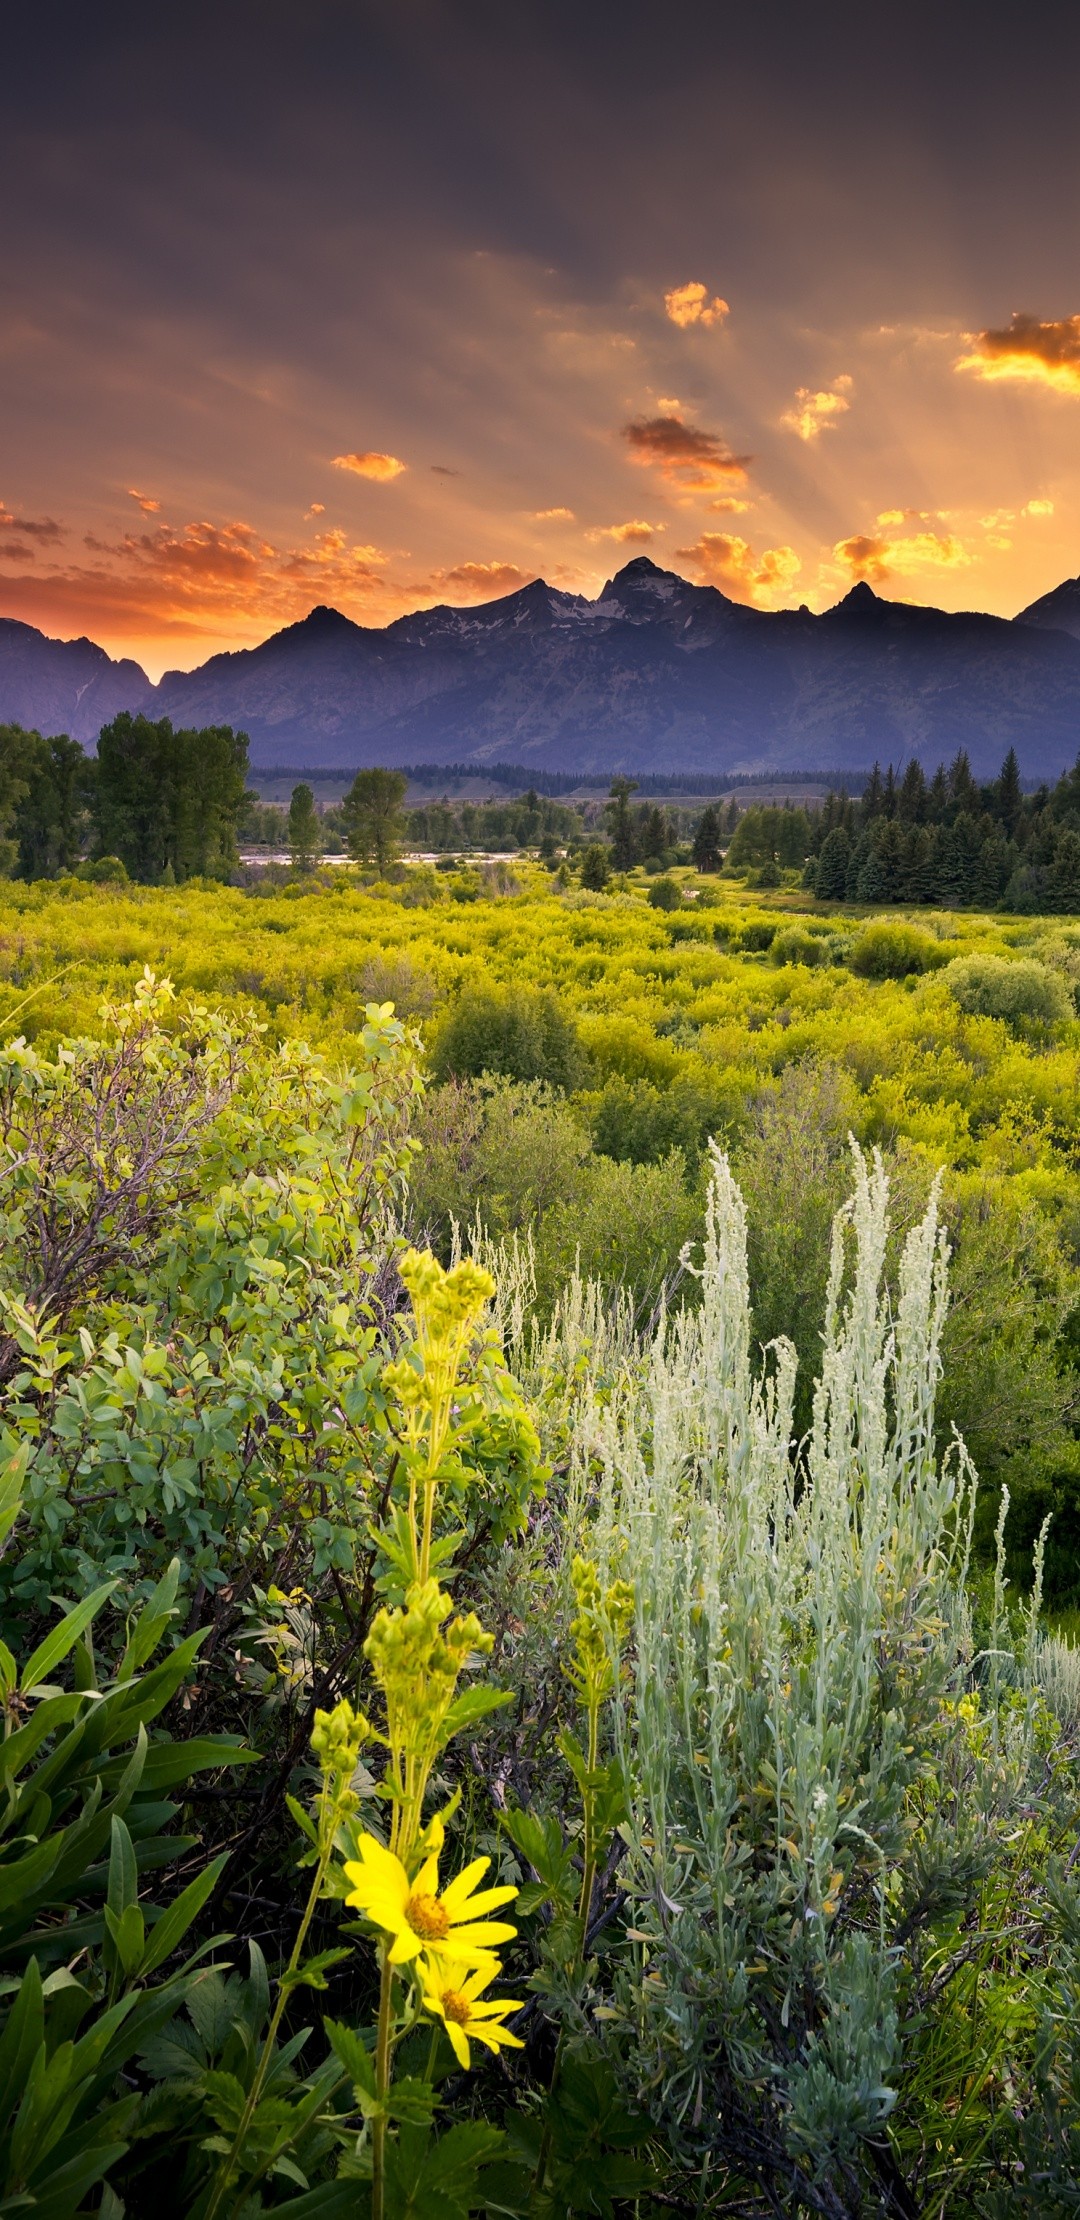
<point x="657" y="674"/>
<point x="64" y="685"/>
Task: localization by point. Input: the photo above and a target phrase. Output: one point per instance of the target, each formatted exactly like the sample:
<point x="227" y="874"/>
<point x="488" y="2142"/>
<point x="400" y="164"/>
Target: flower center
<point x="455" y="2007"/>
<point x="428" y="1918"/>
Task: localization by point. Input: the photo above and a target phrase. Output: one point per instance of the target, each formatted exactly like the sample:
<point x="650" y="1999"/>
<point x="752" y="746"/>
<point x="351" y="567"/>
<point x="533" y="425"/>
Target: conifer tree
<point x="624" y="847"/>
<point x="706" y="850"/>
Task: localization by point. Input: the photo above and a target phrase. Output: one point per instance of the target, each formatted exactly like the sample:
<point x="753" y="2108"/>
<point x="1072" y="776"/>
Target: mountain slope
<point x="655" y="675"/>
<point x="63" y="685"/>
<point x="1058" y="611"/>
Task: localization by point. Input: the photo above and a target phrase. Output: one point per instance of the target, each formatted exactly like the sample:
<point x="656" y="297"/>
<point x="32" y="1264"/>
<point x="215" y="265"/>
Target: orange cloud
<point x="722" y="559"/>
<point x="201" y="581"/>
<point x="811" y="414"/>
<point x="146" y="503"/>
<point x="370" y="465"/>
<point x="690" y="304"/>
<point x="1043" y="353"/>
<point x="876" y="557"/>
<point x="635" y="532"/>
<point x="553" y="516"/>
<point x="697" y="461"/>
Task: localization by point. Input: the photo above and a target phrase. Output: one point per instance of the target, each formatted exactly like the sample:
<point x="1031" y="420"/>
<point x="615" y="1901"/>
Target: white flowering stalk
<point x="795" y="1634"/>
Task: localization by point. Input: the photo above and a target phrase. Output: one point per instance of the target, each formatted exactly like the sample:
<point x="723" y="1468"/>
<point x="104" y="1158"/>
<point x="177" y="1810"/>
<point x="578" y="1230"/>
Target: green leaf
<point x="12" y="1480"/>
<point x="411" y="2101"/>
<point x="128" y="1934"/>
<point x="353" y="2054"/>
<point x="151" y="1622"/>
<point x="312" y="1973"/>
<point x="123" y="1876"/>
<point x="168" y="1763"/>
<point x="470" y="1707"/>
<point x="173" y="1925"/>
<point x="56" y="1645"/>
<point x="429" y="2179"/>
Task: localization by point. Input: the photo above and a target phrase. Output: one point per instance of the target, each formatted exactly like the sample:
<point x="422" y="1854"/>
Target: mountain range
<point x="656" y="674"/>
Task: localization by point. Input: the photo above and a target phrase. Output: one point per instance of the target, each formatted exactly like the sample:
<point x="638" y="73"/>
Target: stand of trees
<point x="949" y="842"/>
<point x="166" y="803"/>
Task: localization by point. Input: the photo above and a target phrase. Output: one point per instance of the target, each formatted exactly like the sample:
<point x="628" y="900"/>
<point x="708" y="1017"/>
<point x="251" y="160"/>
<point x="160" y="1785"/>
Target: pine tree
<point x="624" y="848"/>
<point x="963" y="792"/>
<point x="832" y="865"/>
<point x="911" y="802"/>
<point x="873" y="794"/>
<point x="1009" y="793"/>
<point x="706" y="851"/>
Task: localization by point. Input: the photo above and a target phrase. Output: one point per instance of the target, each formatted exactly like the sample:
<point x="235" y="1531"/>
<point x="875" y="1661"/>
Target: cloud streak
<point x="41" y="528"/>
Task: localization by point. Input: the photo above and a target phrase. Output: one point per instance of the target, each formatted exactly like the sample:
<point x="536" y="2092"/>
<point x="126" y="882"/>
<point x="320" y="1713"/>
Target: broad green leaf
<point x="170" y="1929"/>
<point x="56" y="1645"/>
<point x="12" y="1479"/>
<point x="354" y="2055"/>
<point x="123" y="1875"/>
<point x="470" y="1707"/>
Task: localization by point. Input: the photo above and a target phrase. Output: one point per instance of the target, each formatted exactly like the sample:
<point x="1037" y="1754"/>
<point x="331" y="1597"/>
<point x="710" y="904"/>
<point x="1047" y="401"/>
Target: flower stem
<point x="382" y="2086"/>
<point x="227" y="2172"/>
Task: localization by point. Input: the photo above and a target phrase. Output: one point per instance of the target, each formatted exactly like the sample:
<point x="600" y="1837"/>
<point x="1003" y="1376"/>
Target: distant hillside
<point x="64" y="685"/>
<point x="656" y="675"/>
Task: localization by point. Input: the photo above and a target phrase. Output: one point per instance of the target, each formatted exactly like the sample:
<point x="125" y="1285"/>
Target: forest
<point x="541" y="1505"/>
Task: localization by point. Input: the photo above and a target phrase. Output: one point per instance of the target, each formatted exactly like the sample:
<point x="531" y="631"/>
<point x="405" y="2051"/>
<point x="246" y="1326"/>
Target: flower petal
<point x="405" y="1946"/>
<point x="457" y="1890"/>
<point x="487" y="1901"/>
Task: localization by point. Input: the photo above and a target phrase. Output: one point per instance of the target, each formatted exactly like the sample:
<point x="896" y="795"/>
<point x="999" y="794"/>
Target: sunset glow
<point x="382" y="346"/>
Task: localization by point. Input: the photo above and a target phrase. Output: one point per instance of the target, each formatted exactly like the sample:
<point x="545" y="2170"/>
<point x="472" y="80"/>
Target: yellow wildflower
<point x="418" y="1915"/>
<point x="465" y="2012"/>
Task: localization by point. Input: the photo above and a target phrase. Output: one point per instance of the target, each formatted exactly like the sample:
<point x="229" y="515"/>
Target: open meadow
<point x="518" y="1385"/>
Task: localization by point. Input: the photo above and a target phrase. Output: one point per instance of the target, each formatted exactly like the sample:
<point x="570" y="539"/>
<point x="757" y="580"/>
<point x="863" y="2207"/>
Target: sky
<point x="383" y="303"/>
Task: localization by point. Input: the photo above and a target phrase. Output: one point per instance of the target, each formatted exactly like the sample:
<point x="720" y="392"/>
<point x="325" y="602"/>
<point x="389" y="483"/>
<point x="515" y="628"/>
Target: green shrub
<point x="758" y="935"/>
<point x="508" y="1150"/>
<point x="665" y="894"/>
<point x="596" y="866"/>
<point x="796" y="946"/>
<point x="104" y="871"/>
<point x="624" y="1225"/>
<point x="890" y="949"/>
<point x="511" y="1034"/>
<point x="638" y="1123"/>
<point x="516" y="1158"/>
<point x="1017" y="991"/>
